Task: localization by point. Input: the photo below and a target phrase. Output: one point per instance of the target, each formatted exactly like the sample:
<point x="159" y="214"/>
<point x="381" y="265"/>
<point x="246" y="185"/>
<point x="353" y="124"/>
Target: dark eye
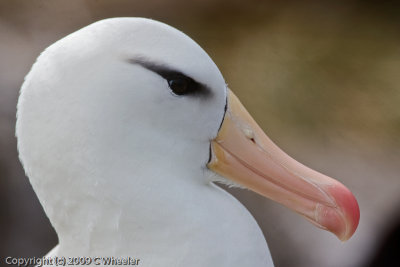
<point x="182" y="85"/>
<point x="179" y="86"/>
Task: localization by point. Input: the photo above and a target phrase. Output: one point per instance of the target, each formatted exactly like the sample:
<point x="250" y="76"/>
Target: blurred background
<point x="321" y="78"/>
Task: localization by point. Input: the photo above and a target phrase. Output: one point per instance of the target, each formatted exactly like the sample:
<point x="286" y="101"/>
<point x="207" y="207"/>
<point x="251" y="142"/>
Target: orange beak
<point x="243" y="153"/>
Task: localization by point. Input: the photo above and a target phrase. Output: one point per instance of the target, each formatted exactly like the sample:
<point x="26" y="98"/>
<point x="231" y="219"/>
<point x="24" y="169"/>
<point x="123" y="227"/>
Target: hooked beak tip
<point x="351" y="211"/>
<point x="342" y="220"/>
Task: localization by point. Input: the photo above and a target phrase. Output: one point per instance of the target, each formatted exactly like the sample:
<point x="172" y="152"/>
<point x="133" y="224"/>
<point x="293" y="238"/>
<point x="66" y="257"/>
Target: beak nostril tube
<point x="249" y="134"/>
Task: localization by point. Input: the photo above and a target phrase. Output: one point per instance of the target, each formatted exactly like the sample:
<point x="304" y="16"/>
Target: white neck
<point x="109" y="208"/>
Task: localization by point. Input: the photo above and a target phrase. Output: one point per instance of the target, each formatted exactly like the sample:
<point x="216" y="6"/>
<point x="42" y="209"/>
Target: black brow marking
<point x="169" y="73"/>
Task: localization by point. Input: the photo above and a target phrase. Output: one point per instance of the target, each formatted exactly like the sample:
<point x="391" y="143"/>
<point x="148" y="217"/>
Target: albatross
<point x="123" y="128"/>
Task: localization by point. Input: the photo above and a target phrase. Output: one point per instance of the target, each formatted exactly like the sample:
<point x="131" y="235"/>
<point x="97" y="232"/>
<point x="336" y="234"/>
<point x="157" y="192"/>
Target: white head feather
<point x="107" y="145"/>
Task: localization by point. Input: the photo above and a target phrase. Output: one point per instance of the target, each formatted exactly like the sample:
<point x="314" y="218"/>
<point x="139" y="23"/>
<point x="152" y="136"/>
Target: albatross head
<point x="128" y="109"/>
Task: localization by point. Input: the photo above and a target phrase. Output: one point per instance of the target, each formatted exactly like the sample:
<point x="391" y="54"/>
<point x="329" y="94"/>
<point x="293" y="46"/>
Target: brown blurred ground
<point x="321" y="77"/>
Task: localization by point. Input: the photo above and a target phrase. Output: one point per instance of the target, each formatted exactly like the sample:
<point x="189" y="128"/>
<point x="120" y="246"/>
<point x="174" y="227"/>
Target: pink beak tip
<point x="349" y="211"/>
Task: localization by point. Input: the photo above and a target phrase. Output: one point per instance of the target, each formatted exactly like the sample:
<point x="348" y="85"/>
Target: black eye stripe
<point x="178" y="82"/>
